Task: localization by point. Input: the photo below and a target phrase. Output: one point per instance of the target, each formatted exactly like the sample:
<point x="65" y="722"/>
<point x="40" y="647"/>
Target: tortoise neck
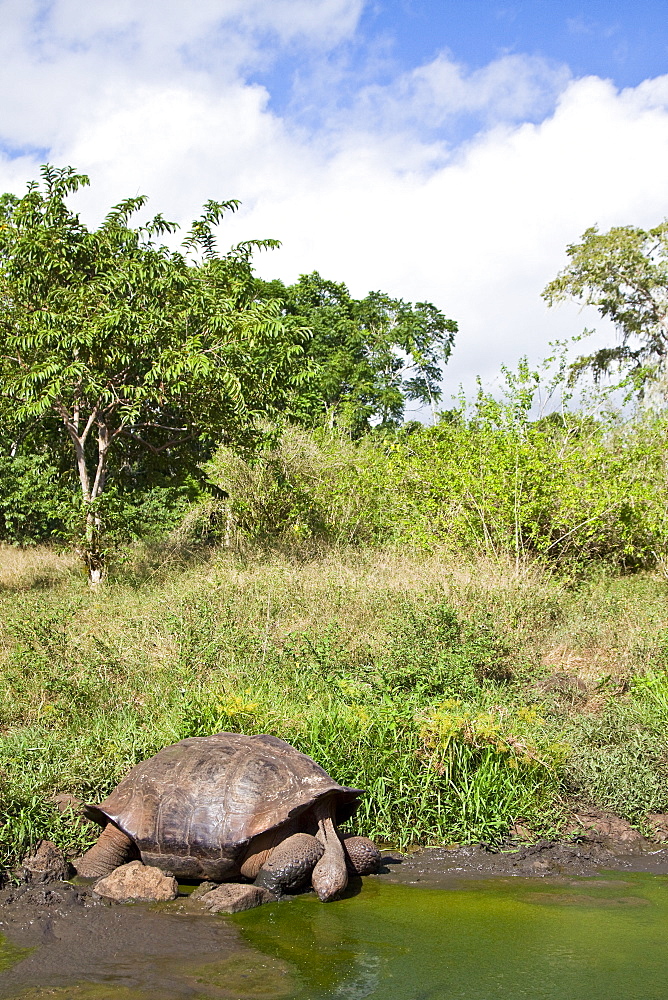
<point x="330" y="876"/>
<point x="113" y="848"/>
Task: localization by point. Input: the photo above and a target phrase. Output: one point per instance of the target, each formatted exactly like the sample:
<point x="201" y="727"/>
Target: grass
<point x="419" y="677"/>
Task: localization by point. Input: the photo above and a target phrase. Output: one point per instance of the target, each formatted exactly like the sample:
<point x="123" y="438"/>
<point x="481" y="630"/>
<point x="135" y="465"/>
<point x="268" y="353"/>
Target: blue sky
<point x="442" y="151"/>
<point x="625" y="41"/>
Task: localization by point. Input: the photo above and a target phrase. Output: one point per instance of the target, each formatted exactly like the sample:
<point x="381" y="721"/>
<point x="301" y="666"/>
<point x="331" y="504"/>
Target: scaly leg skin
<point x="260" y="848"/>
<point x="330" y="875"/>
<point x="112" y="849"/>
<point x="290" y="864"/>
<point x="362" y="855"/>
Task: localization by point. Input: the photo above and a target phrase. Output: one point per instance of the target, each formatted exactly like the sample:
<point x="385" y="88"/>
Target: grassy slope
<point x="419" y="678"/>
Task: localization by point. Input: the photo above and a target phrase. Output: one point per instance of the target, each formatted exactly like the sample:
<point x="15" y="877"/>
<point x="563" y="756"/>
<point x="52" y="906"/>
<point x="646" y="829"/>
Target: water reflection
<point x="322" y="944"/>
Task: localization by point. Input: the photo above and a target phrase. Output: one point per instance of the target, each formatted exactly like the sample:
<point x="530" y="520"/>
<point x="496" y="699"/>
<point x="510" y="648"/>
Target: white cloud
<point x="512" y="87"/>
<point x="483" y="233"/>
<point x="61" y="60"/>
<point x="378" y="195"/>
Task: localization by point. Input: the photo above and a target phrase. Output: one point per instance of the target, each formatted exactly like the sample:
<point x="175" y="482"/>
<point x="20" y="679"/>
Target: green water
<point x="9" y="954"/>
<point x="501" y="939"/>
<point x="497" y="940"/>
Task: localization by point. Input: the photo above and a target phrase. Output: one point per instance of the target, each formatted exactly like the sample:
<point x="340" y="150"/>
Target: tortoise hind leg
<point x="112" y="849"/>
<point x="290" y="864"/>
<point x="260" y="848"/>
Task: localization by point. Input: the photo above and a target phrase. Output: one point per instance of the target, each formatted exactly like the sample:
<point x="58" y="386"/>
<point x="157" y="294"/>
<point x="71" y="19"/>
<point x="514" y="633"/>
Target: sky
<point x="441" y="151"/>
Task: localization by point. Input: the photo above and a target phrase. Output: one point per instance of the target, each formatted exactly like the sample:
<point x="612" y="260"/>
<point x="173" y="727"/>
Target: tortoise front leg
<point x="290" y="864"/>
<point x="112" y="849"/>
<point x="330" y="875"/>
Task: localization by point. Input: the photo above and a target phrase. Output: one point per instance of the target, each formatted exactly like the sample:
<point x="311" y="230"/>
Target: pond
<point x="495" y="939"/>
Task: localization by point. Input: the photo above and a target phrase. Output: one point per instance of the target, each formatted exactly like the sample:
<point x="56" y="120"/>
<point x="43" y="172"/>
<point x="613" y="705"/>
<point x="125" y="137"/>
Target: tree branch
<point x="160" y="448"/>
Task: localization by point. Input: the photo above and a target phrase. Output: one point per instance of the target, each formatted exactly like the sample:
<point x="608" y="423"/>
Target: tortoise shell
<point x="193" y="808"/>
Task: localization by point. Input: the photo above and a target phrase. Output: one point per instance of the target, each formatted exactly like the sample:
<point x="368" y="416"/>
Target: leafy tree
<point x="624" y="273"/>
<point x="133" y="347"/>
<point x="368" y="355"/>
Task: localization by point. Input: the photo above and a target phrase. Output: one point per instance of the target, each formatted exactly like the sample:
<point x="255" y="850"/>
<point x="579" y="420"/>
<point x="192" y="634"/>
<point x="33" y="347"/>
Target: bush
<point x="35" y="499"/>
<point x="311" y="487"/>
<point x="39" y="502"/>
<point x="570" y="491"/>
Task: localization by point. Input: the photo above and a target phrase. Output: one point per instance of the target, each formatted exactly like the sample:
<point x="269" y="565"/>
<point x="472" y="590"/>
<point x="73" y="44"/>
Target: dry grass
<point x="38" y="567"/>
<point x="603" y="628"/>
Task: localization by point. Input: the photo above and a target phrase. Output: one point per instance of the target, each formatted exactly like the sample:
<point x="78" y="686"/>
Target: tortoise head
<point x="330" y="875"/>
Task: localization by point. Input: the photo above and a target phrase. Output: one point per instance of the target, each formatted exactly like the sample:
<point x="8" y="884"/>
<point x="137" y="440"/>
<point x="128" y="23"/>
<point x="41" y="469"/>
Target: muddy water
<point x="509" y="938"/>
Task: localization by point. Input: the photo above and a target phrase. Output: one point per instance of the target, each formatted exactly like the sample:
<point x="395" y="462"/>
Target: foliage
<point x="576" y="494"/>
<point x="624" y="273"/>
<point x="620" y="758"/>
<point x="571" y="488"/>
<point x="308" y="487"/>
<point x="38" y="503"/>
<point x="368" y="355"/>
<point x="35" y="500"/>
<point x="133" y="347"/>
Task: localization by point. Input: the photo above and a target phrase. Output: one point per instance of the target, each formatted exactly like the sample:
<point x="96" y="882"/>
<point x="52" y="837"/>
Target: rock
<point x="610" y="830"/>
<point x="137" y="883"/>
<point x="46" y="864"/>
<point x="658" y="823"/>
<point x="64" y="801"/>
<point x="231" y="897"/>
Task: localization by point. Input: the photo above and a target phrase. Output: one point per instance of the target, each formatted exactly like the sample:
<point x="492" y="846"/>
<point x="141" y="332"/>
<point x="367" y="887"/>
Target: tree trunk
<point x="93" y="554"/>
<point x="91" y="550"/>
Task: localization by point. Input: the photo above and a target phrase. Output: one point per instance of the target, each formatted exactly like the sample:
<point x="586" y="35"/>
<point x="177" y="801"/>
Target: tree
<point x="135" y="348"/>
<point x="368" y="355"/>
<point x="624" y="273"/>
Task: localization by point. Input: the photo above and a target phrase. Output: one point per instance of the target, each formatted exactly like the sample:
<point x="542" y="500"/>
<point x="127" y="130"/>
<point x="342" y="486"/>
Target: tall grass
<point x="416" y="677"/>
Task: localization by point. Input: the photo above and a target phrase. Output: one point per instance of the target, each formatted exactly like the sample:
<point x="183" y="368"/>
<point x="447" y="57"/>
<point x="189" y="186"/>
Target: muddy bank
<point x="436" y="866"/>
<point x="75" y="942"/>
<point x="76" y="938"/>
<point x="596" y="841"/>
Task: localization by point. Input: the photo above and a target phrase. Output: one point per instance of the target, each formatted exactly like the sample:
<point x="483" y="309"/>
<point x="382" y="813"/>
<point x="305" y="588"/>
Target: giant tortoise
<point x="227" y="806"/>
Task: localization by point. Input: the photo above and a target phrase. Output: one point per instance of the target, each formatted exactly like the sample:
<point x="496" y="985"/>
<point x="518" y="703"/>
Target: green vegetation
<point x="624" y="273"/>
<point x="114" y="348"/>
<point x="419" y="678"/>
<point x="367" y="357"/>
<point x="569" y="490"/>
<point x="468" y="620"/>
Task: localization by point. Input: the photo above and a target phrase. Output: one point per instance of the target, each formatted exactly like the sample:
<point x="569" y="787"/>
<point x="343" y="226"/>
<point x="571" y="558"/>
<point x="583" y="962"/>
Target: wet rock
<point x="137" y="883"/>
<point x="46" y="864"/>
<point x="232" y="897"/>
<point x="604" y="828"/>
<point x="658" y="823"/>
